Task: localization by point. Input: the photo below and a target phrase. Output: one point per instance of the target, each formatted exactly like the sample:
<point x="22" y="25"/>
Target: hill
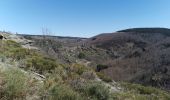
<point x="164" y="31"/>
<point x="139" y="55"/>
<point x="120" y="65"/>
<point x="26" y="73"/>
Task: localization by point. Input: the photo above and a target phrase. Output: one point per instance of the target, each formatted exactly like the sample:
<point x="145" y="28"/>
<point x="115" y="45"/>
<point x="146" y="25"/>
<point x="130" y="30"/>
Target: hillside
<point x="27" y="74"/>
<point x="139" y="55"/>
<point x="104" y="67"/>
<point x="164" y="31"/>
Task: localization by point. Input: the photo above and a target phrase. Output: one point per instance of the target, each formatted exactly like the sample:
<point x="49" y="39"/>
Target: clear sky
<point x="83" y="18"/>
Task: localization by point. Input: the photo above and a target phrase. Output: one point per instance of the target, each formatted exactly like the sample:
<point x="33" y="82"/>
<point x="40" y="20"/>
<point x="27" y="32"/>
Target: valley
<point x="130" y="64"/>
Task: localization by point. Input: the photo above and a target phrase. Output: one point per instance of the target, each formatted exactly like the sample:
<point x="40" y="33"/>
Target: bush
<point x="81" y="55"/>
<point x="141" y="89"/>
<point x="18" y="53"/>
<point x="101" y="67"/>
<point x="78" y="68"/>
<point x="12" y="44"/>
<point x="104" y="77"/>
<point x="13" y="50"/>
<point x="97" y="91"/>
<point x="62" y="92"/>
<point x="15" y="84"/>
<point x="93" y="90"/>
<point x="139" y="92"/>
<point x="41" y="64"/>
<point x="89" y="75"/>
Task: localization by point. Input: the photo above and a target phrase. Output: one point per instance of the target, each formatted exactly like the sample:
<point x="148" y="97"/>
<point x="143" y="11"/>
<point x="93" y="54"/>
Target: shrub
<point x="101" y="67"/>
<point x="91" y="90"/>
<point x="78" y="68"/>
<point x="78" y="84"/>
<point x="13" y="50"/>
<point x="133" y="96"/>
<point x="81" y="55"/>
<point x="15" y="84"/>
<point x="12" y="44"/>
<point x="139" y="92"/>
<point x="89" y="75"/>
<point x="8" y="45"/>
<point x="104" y="77"/>
<point x="62" y="92"/>
<point x="18" y="53"/>
<point x="141" y="89"/>
<point x="2" y="58"/>
<point x="41" y="63"/>
<point x="97" y="91"/>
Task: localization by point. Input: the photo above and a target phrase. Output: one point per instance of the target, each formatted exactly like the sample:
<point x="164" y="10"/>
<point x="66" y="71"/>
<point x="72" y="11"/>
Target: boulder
<point x="1" y="37"/>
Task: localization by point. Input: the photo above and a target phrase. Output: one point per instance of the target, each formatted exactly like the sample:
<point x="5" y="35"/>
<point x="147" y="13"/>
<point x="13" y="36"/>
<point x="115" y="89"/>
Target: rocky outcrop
<point x="2" y="37"/>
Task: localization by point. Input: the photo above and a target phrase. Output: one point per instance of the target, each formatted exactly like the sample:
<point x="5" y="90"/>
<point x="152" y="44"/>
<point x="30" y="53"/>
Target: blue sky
<point x="83" y="18"/>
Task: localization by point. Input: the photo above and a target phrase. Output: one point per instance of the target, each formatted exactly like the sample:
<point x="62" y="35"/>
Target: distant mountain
<point x="164" y="31"/>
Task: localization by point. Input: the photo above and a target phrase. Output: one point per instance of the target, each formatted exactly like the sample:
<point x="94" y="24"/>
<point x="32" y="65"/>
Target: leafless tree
<point x="46" y="32"/>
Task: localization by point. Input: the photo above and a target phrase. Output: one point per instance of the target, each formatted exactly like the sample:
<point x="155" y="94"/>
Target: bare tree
<point x="46" y="32"/>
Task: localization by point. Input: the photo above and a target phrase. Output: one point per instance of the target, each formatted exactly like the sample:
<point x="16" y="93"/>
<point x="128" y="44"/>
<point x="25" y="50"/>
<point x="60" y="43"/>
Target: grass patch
<point x="103" y="77"/>
<point x="13" y="50"/>
<point x="139" y="92"/>
<point x="78" y="68"/>
<point x="15" y="84"/>
<point x="41" y="64"/>
<point x="62" y="92"/>
<point x="96" y="91"/>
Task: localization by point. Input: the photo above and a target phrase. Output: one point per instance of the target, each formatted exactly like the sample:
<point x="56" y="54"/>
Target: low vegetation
<point x="139" y="92"/>
<point x="69" y="81"/>
<point x="15" y="85"/>
<point x="60" y="79"/>
<point x="81" y="55"/>
<point x="101" y="67"/>
<point x="104" y="77"/>
<point x="41" y="64"/>
<point x="61" y="92"/>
